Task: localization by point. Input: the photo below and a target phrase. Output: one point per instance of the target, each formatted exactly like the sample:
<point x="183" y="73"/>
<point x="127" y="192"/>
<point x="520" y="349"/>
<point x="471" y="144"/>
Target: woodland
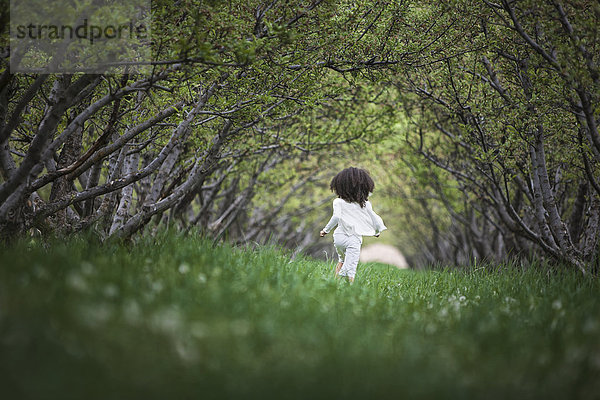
<point x="477" y="119"/>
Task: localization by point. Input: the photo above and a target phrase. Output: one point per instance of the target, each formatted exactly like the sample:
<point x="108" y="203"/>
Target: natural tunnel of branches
<point x="484" y="118"/>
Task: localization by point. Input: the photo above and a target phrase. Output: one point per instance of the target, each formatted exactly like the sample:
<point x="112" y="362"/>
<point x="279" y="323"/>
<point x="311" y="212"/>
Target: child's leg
<point x="341" y="253"/>
<point x="338" y="267"/>
<point x="348" y="268"/>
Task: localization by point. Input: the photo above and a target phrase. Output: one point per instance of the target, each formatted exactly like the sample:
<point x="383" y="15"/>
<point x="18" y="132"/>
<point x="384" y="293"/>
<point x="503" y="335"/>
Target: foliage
<point x="479" y="118"/>
<point x="504" y="101"/>
<point x="235" y="91"/>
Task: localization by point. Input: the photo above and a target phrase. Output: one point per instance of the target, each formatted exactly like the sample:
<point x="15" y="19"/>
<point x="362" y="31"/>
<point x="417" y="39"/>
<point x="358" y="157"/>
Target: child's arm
<point x="333" y="221"/>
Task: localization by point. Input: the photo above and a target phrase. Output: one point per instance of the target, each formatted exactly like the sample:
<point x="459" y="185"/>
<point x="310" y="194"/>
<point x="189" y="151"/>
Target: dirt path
<point x="383" y="253"/>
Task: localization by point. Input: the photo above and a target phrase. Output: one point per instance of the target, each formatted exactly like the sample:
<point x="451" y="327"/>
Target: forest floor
<point x="173" y="317"/>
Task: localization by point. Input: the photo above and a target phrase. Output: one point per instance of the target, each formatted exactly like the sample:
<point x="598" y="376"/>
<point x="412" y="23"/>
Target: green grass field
<point x="174" y="318"/>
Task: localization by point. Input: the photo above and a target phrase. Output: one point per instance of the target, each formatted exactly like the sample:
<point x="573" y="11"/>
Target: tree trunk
<point x="62" y="186"/>
<point x="131" y="164"/>
<point x="554" y="222"/>
<point x="592" y="230"/>
<point x="198" y="173"/>
<point x="576" y="219"/>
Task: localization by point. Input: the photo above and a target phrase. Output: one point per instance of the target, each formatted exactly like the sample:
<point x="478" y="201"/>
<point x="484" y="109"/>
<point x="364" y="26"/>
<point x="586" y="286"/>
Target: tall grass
<point x="173" y="317"/>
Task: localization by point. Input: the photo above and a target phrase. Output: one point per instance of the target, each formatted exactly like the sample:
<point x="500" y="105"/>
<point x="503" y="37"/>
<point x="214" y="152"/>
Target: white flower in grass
<point x="87" y="268"/>
<point x="557" y="304"/>
<point x="157" y="286"/>
<point x="186" y="350"/>
<point x="184" y="268"/>
<point x="431" y="328"/>
<point x="111" y="291"/>
<point x="201" y="277"/>
<point x="77" y="282"/>
<point x="167" y="320"/>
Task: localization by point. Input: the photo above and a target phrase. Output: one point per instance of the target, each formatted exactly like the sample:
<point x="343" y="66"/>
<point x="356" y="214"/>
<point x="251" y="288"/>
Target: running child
<point x="354" y="217"/>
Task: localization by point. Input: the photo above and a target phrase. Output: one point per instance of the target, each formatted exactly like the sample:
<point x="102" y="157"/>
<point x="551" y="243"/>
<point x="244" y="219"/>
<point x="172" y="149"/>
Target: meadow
<point x="175" y="317"/>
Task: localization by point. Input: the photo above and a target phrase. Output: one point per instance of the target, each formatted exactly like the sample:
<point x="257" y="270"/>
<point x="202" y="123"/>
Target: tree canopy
<point x="479" y="118"/>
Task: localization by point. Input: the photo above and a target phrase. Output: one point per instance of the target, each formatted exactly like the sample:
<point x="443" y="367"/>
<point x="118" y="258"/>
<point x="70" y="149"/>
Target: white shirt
<point x="352" y="219"/>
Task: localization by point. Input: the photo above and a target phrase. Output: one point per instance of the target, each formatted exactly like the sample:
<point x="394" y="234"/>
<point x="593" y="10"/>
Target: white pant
<point x="348" y="250"/>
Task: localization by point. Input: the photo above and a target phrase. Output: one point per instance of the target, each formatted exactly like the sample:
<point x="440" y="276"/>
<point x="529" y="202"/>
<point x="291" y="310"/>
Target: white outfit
<point x="348" y="251"/>
<point x="353" y="222"/>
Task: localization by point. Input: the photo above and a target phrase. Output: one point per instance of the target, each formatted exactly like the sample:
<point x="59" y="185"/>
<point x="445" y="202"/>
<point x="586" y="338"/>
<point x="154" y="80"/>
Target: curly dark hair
<point x="353" y="185"/>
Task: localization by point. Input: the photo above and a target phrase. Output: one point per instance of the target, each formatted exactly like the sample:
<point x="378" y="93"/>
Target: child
<point x="354" y="217"/>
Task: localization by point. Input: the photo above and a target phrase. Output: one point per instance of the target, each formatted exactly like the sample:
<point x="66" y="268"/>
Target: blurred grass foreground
<point x="173" y="317"/>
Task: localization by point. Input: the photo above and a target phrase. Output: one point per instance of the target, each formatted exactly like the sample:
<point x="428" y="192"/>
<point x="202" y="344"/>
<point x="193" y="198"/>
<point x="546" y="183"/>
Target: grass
<point x="173" y="317"/>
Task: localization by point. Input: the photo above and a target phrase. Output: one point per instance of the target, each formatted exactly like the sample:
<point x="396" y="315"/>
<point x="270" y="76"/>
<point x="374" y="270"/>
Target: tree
<point x="227" y="101"/>
<point x="505" y="102"/>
